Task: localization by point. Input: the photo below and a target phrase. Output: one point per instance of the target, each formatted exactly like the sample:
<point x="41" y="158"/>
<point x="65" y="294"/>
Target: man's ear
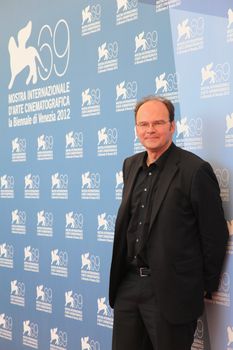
<point x="173" y="126"/>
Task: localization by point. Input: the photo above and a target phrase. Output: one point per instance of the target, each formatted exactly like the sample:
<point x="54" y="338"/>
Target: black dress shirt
<point x="142" y="197"/>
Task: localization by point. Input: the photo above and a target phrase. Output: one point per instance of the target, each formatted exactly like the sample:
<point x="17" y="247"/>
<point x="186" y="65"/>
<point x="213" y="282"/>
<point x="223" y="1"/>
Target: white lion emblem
<point x="22" y="56"/>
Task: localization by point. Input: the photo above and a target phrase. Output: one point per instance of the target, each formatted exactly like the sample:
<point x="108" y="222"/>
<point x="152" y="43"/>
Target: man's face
<point x="153" y="127"/>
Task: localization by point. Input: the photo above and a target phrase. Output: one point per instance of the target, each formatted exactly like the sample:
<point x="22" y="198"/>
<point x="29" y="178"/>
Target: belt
<point x="142" y="271"/>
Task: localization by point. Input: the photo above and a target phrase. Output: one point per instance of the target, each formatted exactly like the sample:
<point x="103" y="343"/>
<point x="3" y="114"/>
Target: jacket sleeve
<point x="207" y="205"/>
<point x="124" y="175"/>
<point x="125" y="170"/>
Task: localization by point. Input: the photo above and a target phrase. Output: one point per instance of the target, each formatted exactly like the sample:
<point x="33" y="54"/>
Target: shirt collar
<point x="160" y="162"/>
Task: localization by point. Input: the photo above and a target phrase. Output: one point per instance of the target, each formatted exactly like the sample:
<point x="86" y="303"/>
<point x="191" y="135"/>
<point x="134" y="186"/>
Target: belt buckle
<point x="141" y="272"/>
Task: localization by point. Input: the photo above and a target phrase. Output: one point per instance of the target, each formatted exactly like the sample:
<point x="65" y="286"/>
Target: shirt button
<point x="137" y="240"/>
<point x="142" y="206"/>
<point x="140" y="223"/>
<point x="150" y="174"/>
<point x="145" y="189"/>
<point x="135" y="257"/>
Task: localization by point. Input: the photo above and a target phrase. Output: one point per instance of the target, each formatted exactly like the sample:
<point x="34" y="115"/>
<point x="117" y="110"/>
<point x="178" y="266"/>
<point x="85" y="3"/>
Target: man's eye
<point x="143" y="124"/>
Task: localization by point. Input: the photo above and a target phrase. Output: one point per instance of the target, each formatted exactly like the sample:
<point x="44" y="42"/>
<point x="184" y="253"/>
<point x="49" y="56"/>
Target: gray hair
<point x="167" y="103"/>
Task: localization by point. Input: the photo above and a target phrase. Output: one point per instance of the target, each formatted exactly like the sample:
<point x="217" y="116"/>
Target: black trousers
<point x="138" y="323"/>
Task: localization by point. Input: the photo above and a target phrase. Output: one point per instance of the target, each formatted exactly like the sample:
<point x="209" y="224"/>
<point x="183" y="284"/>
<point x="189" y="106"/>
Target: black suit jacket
<point x="187" y="236"/>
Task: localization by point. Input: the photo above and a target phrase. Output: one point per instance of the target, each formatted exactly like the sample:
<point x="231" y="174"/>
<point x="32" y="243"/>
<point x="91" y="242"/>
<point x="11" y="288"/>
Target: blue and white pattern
<point x="71" y="73"/>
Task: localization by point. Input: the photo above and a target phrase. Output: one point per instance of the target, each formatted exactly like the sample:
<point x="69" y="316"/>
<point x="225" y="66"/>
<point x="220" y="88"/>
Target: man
<point x="170" y="238"/>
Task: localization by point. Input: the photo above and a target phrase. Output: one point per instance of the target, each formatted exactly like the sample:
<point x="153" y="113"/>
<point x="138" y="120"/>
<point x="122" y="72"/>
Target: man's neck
<point x="152" y="156"/>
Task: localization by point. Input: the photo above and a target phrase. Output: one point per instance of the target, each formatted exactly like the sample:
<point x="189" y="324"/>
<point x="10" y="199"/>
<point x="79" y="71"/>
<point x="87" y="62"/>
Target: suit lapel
<point x="165" y="179"/>
<point x="131" y="174"/>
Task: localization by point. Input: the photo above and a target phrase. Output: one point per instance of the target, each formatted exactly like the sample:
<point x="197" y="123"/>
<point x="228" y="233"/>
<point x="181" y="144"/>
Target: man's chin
<point x="151" y="146"/>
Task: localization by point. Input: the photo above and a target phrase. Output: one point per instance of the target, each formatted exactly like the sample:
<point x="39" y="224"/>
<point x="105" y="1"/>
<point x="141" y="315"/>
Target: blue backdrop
<point x="71" y="73"/>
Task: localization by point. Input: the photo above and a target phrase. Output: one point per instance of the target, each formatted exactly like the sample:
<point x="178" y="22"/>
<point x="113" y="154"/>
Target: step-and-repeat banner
<point x="71" y="72"/>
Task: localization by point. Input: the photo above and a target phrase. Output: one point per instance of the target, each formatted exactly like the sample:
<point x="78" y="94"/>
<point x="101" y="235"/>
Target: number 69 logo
<point x="54" y="47"/>
<point x="223" y="177"/>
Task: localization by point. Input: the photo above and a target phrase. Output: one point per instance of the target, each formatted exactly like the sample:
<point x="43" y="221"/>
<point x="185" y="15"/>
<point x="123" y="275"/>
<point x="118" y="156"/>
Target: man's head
<point x="167" y="103"/>
<point x="155" y="125"/>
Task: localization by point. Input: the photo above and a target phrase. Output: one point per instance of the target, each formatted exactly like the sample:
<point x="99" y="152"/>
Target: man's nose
<point x="151" y="127"/>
